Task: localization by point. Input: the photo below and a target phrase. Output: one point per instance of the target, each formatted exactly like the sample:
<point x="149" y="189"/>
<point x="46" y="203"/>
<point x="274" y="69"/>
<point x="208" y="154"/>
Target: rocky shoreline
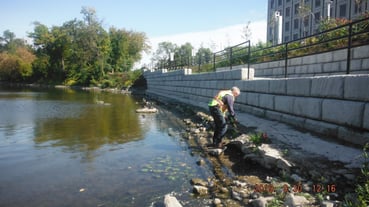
<point x="254" y="170"/>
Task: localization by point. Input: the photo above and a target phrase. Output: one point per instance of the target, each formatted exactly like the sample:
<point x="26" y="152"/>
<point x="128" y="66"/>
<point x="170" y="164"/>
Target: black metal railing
<point x="347" y="36"/>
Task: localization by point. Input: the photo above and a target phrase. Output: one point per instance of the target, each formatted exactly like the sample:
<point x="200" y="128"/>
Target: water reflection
<point x="71" y="120"/>
<point x="54" y="143"/>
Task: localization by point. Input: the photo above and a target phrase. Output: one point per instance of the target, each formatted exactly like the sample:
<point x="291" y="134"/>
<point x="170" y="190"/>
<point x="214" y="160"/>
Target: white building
<point x="301" y="18"/>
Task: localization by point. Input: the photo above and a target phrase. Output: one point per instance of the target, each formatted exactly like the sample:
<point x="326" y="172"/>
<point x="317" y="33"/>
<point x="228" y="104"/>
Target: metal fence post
<point x="285" y="59"/>
<point x="214" y="61"/>
<point x="230" y="58"/>
<point x="349" y="50"/>
<point x="248" y="60"/>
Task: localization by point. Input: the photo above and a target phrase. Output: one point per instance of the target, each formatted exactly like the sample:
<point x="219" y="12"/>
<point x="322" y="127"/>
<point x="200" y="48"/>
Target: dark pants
<point x="220" y="124"/>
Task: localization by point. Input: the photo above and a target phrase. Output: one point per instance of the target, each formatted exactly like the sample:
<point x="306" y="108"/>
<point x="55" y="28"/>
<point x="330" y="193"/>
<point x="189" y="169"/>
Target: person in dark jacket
<point x="219" y="106"/>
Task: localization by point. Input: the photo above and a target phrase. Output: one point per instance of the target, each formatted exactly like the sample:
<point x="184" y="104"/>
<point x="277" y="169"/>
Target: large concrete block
<point x="360" y="52"/>
<point x="293" y="120"/>
<point x="278" y="86"/>
<point x="327" y="86"/>
<point x="299" y="86"/>
<point x="310" y="59"/>
<point x="347" y="113"/>
<point x="315" y="68"/>
<point x="253" y="99"/>
<point x="321" y="127"/>
<point x="295" y="61"/>
<point x="353" y="136"/>
<point x="357" y="87"/>
<point x="262" y="86"/>
<point x="331" y="67"/>
<point x="273" y="115"/>
<point x="339" y="55"/>
<point x="284" y="103"/>
<point x="356" y="65"/>
<point x="266" y="101"/>
<point x="308" y="107"/>
<point x="325" y="57"/>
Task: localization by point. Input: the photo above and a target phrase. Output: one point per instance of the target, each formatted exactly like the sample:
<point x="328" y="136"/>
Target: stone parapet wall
<point x="323" y="64"/>
<point x="337" y="106"/>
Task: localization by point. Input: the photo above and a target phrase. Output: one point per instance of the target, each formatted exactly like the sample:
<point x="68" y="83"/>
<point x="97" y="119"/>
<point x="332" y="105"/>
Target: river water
<point x="62" y="147"/>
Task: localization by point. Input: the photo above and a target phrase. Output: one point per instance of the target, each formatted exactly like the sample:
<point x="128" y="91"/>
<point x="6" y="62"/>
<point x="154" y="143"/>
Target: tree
<point x="162" y="54"/>
<point x="246" y="31"/>
<point x="183" y="54"/>
<point x="15" y="58"/>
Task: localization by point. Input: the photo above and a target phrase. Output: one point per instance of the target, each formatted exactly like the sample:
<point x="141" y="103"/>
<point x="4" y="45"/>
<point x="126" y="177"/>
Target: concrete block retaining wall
<point x="337" y="106"/>
<point x="329" y="63"/>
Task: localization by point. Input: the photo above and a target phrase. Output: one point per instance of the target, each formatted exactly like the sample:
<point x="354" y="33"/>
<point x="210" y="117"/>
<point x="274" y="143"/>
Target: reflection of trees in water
<point x="97" y="125"/>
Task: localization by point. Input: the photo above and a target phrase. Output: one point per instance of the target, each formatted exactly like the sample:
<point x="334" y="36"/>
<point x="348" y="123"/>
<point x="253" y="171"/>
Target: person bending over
<point x="218" y="107"/>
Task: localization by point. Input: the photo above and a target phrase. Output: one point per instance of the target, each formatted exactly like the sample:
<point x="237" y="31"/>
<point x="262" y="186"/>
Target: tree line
<point x="79" y="52"/>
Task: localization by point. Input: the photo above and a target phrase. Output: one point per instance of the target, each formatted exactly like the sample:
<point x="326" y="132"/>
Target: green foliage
<point x="17" y="66"/>
<point x="259" y="138"/>
<point x="82" y="52"/>
<point x="362" y="188"/>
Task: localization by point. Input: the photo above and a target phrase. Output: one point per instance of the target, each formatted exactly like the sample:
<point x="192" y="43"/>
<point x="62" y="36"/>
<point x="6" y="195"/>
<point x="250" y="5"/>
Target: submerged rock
<point x="171" y="201"/>
<point x="200" y="190"/>
<point x="147" y="110"/>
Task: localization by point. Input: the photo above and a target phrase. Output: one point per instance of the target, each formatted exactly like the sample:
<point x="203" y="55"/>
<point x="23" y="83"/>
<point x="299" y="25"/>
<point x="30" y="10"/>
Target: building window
<point x="296" y="23"/>
<point x="295" y="36"/>
<point x="287" y="38"/>
<point x="343" y="10"/>
<point x="317" y="3"/>
<point x="272" y="4"/>
<point x="279" y="2"/>
<point x="288" y="11"/>
<point x="317" y="16"/>
<point x="270" y="31"/>
<point x="358" y="9"/>
<point x="287" y="26"/>
<point x="297" y="8"/>
<point x="288" y="1"/>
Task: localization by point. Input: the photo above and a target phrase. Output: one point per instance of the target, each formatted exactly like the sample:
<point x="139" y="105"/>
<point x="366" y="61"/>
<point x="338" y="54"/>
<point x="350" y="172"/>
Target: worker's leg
<point x="220" y="125"/>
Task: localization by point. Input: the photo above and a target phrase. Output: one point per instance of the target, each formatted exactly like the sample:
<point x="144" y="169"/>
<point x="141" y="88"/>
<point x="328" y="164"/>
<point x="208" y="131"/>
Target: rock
<point x="292" y="200"/>
<point x="147" y="110"/>
<point x="198" y="181"/>
<point x="200" y="190"/>
<point x="239" y="184"/>
<point x="261" y="202"/>
<point x="200" y="162"/>
<point x="171" y="201"/>
<point x="330" y="203"/>
<point x="296" y="178"/>
<point x="217" y="201"/>
<point x="236" y="196"/>
<point x="215" y="151"/>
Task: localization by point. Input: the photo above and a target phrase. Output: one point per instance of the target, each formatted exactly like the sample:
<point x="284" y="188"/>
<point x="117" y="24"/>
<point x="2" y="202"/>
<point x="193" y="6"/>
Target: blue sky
<point x="189" y="20"/>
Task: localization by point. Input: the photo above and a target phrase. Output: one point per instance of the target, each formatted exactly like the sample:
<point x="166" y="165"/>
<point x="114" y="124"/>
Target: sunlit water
<point x="62" y="148"/>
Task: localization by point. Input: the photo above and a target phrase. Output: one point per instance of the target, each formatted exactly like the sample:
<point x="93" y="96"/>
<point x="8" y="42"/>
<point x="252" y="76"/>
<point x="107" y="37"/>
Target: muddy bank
<point x="255" y="170"/>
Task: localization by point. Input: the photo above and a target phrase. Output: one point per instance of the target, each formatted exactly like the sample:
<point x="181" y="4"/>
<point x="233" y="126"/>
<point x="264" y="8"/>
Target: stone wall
<point x="337" y="106"/>
<point x="323" y="64"/>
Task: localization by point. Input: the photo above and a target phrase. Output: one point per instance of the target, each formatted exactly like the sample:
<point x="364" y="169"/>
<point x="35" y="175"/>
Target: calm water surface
<point x="61" y="148"/>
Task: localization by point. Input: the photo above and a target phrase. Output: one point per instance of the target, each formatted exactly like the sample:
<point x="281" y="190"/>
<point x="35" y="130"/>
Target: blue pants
<point x="220" y="124"/>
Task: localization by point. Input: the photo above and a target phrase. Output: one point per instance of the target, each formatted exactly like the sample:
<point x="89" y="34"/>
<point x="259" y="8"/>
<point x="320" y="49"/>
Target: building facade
<point x="290" y="20"/>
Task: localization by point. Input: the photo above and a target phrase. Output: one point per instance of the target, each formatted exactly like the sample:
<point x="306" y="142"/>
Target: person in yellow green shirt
<point x="219" y="107"/>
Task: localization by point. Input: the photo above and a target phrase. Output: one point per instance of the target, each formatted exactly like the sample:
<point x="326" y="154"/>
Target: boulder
<point x="171" y="201"/>
<point x="200" y="190"/>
